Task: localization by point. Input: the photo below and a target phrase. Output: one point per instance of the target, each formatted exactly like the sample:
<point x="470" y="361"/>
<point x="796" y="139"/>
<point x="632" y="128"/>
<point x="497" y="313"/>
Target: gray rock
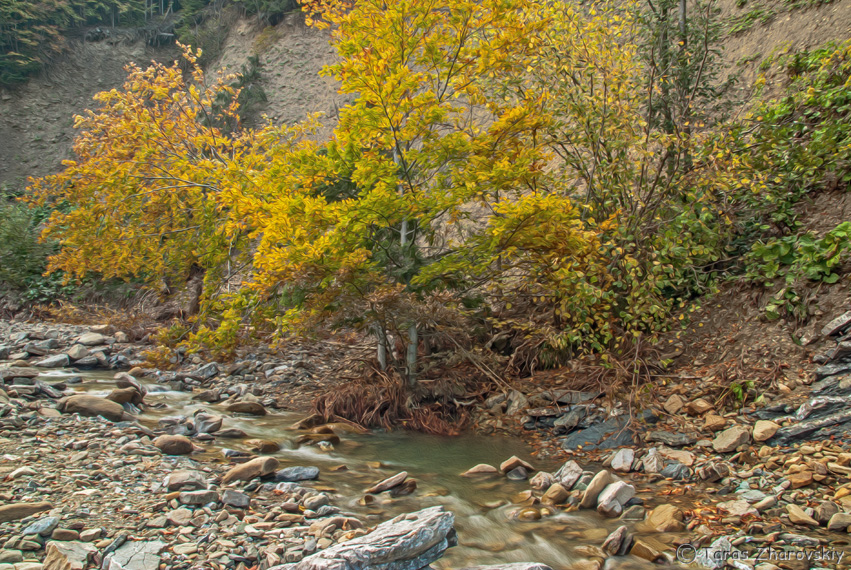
<point x="207" y="423"/>
<point x="236" y="499"/>
<point x="568" y="474"/>
<point x="185" y="480"/>
<point x="518" y="474"/>
<point x="605" y="435"/>
<point x="516" y="403"/>
<point x="207" y="371"/>
<point x="139" y="555"/>
<point x="832" y="369"/>
<point x="613" y="498"/>
<point x="837" y="325"/>
<point x="618" y="542"/>
<point x="653" y="461"/>
<point x="715" y="555"/>
<point x="623" y="459"/>
<point x="198" y="497"/>
<point x="43" y="526"/>
<point x="407" y="542"/>
<point x="55" y="361"/>
<point x="676" y="471"/>
<point x="671" y="439"/>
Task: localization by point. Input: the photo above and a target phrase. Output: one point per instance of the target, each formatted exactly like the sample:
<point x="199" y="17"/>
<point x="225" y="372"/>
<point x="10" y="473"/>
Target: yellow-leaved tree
<point x="434" y="144"/>
<point x="155" y="189"/>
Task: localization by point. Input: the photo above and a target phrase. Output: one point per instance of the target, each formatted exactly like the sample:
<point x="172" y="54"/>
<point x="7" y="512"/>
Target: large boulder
<point x="257" y="467"/>
<point x="92" y="406"/>
<point x="407" y="542"/>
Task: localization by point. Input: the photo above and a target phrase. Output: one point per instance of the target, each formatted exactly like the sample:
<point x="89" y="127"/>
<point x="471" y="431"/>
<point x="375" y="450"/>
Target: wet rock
<point x="16" y="511"/>
<point x="665" y="518"/>
<point x="600" y="481"/>
<point x="764" y="430"/>
<point x="623" y="460"/>
<point x="125" y="396"/>
<point x="258" y="467"/>
<point x="92" y="406"/>
<point x="297" y="473"/>
<point x="556" y="494"/>
<point x="528" y="514"/>
<point x="55" y="361"/>
<point x="263" y="446"/>
<point x="231" y="433"/>
<point x="186" y="480"/>
<point x="730" y="439"/>
<point x="407" y="542"/>
<point x="517" y="474"/>
<point x="388" y="483"/>
<point x="252" y="408"/>
<point x="174" y="445"/>
<point x="568" y="474"/>
<point x="612" y="499"/>
<point x="208" y="423"/>
<point x="541" y="481"/>
<point x="514" y="462"/>
<point x="125" y="380"/>
<point x="480" y="469"/>
<point x="618" y="542"/>
<point x="648" y="549"/>
<point x="715" y="555"/>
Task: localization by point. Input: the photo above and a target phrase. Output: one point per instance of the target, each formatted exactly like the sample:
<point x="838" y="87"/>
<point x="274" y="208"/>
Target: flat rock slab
<point x="407" y="542"/>
<point x="140" y="555"/>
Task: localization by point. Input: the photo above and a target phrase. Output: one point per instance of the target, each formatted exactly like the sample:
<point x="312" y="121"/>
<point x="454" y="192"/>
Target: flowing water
<point x="487" y="531"/>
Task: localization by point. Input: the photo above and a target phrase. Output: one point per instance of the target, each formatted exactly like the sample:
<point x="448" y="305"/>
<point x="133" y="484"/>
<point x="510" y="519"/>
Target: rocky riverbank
<point x="87" y="485"/>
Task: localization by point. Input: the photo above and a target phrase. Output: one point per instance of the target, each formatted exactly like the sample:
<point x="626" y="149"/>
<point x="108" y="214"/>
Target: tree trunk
<point x="411" y="356"/>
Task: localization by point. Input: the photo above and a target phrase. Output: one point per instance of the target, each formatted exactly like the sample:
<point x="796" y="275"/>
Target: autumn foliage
<point x="512" y="169"/>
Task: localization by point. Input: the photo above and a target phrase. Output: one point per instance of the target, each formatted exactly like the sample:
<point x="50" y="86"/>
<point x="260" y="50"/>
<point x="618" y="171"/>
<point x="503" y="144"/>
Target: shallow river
<point x="487" y="533"/>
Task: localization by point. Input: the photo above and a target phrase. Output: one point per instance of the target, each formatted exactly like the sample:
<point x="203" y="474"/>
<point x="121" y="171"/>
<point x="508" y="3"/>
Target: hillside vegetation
<point x="508" y="185"/>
